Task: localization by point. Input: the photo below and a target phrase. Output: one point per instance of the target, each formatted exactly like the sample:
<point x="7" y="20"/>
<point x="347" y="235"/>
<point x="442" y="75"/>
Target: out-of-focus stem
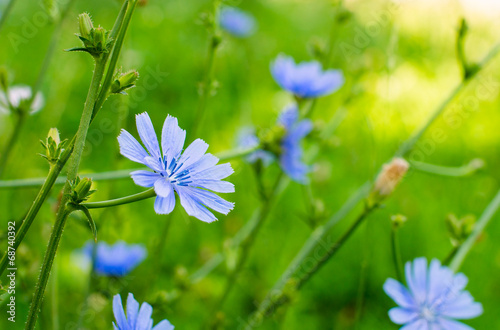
<point x="396" y="257"/>
<point x="6" y="13"/>
<point x="469" y="169"/>
<point x="16" y="130"/>
<point x="483" y="221"/>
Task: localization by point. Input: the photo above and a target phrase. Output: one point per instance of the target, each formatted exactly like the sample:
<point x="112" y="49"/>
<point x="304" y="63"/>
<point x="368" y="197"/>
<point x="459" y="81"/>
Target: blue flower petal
<point x="130" y="148"/>
<point x="446" y="324"/>
<point x="236" y="22"/>
<point x="192" y="207"/>
<point x="419" y="324"/>
<point x="172" y="138"/>
<point x="165" y="205"/>
<point x="144" y="178"/>
<point x="399" y="293"/>
<point x="132" y="310"/>
<point x="163" y="187"/>
<point x="192" y="154"/>
<point x="120" y="318"/>
<point x="144" y="321"/>
<point x="148" y="135"/>
<point x="462" y="307"/>
<point x="211" y="200"/>
<point x="400" y="315"/>
<point x="164" y="325"/>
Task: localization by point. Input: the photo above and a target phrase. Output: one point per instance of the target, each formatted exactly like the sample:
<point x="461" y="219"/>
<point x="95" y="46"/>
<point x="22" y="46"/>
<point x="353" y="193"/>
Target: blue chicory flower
<point x="291" y="149"/>
<point x="118" y="259"/>
<point x="434" y="298"/>
<point x="306" y="79"/>
<point x="190" y="173"/>
<point x="236" y="22"/>
<point x="136" y="318"/>
<point x="290" y="158"/>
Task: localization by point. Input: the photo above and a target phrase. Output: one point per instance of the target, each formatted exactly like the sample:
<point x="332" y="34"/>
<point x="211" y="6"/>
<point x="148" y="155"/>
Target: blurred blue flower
<point x="306" y="79"/>
<point x="236" y="22"/>
<point x="115" y="260"/>
<point x="191" y="173"/>
<point x="248" y="139"/>
<point x="136" y="319"/>
<point x="433" y="300"/>
<point x="19" y="94"/>
<point x="291" y="150"/>
<point x="290" y="157"/>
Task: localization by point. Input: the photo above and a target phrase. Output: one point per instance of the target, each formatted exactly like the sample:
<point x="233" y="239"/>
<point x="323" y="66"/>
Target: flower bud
<point x="54" y="135"/>
<point x="86" y="25"/>
<point x="392" y="173"/>
<point x="53" y="146"/>
<point x="80" y="190"/>
<point x="99" y="37"/>
<point x="398" y="220"/>
<point x="124" y="81"/>
<point x="459" y="229"/>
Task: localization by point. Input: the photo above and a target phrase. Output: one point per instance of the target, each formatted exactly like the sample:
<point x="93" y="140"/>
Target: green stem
<point x="16" y="130"/>
<point x="450" y="255"/>
<point x="110" y="175"/>
<point x="120" y="201"/>
<point x="483" y="221"/>
<point x="6" y="13"/>
<point x="465" y="170"/>
<point x="247" y="243"/>
<point x="317" y="241"/>
<point x="53" y="174"/>
<point x="396" y="257"/>
<point x="206" y="85"/>
<point x="48" y="260"/>
<point x="64" y="211"/>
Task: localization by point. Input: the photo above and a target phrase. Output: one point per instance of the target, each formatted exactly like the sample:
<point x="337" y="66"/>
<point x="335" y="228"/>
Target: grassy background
<point x="399" y="62"/>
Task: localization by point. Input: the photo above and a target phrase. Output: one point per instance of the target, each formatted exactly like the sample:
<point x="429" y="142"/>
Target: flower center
<point x="428" y="313"/>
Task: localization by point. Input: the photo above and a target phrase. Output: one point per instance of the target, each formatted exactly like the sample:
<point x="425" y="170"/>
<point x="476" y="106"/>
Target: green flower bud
<point x="124" y="81"/>
<point x="54" y="135"/>
<point x="86" y="25"/>
<point x="398" y="220"/>
<point x="53" y="146"/>
<point x="80" y="190"/>
<point x="459" y="229"/>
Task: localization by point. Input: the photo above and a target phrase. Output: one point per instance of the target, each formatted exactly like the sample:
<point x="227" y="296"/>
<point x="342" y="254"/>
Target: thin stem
<point x="460" y="171"/>
<point x="120" y="201"/>
<point x="450" y="255"/>
<point x="6" y="13"/>
<point x="483" y="221"/>
<point x="206" y="85"/>
<point x="52" y="176"/>
<point x="20" y="118"/>
<point x="110" y="175"/>
<point x="396" y="257"/>
<point x="64" y="211"/>
<point x="48" y="260"/>
<point x="247" y="243"/>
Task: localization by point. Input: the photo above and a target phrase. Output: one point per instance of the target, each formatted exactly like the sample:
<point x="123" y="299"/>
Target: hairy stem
<point x="120" y="201"/>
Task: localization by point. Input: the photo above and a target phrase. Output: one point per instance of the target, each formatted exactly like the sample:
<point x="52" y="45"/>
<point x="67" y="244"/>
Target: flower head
<point x="115" y="260"/>
<point x="136" y="318"/>
<point x="236" y="22"/>
<point x="306" y="79"/>
<point x="290" y="149"/>
<point x="19" y="96"/>
<point x="391" y="175"/>
<point x="434" y="298"/>
<point x="190" y="173"/>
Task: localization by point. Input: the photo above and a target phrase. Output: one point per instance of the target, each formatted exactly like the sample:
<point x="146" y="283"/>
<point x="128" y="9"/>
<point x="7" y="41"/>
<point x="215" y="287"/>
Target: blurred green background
<point x="399" y="62"/>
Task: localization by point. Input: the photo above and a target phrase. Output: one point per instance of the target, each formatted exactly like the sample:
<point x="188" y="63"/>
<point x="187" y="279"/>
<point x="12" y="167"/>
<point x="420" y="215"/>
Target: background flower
<point x="306" y="79"/>
<point x="433" y="299"/>
<point x="136" y="319"/>
<point x="118" y="259"/>
<point x="248" y="139"/>
<point x="236" y="22"/>
<point x="18" y="94"/>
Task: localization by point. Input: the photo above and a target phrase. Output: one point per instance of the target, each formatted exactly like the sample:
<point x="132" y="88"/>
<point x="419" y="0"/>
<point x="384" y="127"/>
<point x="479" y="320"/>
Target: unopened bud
<point x="54" y="135"/>
<point x="86" y="25"/>
<point x="125" y="81"/>
<point x="100" y="37"/>
<point x="398" y="220"/>
<point x="392" y="173"/>
<point x="80" y="190"/>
